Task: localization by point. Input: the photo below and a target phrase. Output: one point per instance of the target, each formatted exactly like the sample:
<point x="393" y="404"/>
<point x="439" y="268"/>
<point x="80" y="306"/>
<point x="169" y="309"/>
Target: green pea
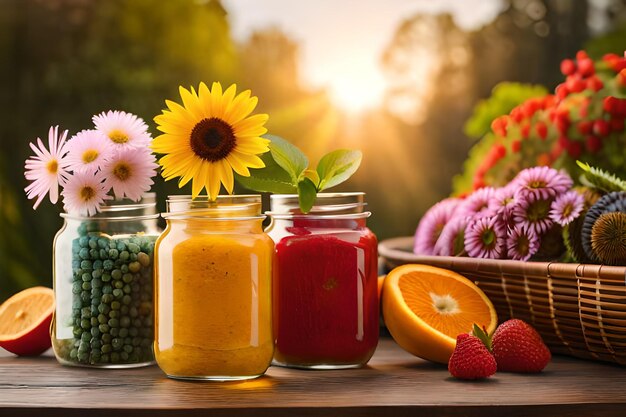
<point x="127" y="277"/>
<point x="85" y="324"/>
<point x="133" y="312"/>
<point x="115" y="305"/>
<point x="84" y="253"/>
<point x="85" y="264"/>
<point x="85" y="312"/>
<point x="137" y="323"/>
<point x="96" y="283"/>
<point x="124" y="255"/>
<point x="104" y="358"/>
<point x="106" y="348"/>
<point x="85" y="295"/>
<point x="118" y="293"/>
<point x="143" y="258"/>
<point x="93" y="243"/>
<point x="85" y="337"/>
<point x="114" y="314"/>
<point x="133" y="256"/>
<point x="104" y="328"/>
<point x="119" y="284"/>
<point x="117" y="343"/>
<point x="106" y="338"/>
<point x="77" y="287"/>
<point x="121" y="246"/>
<point x="104" y="309"/>
<point x="124" y="309"/>
<point x="106" y="297"/>
<point x="94" y="322"/>
<point x="86" y="277"/>
<point x="102" y="319"/>
<point x="82" y="230"/>
<point x="97" y="264"/>
<point x="116" y="274"/>
<point x="113" y="253"/>
<point x="146" y="343"/>
<point x="103" y="243"/>
<point x="77" y="331"/>
<point x="124" y="268"/>
<point x="82" y="356"/>
<point x="123" y="332"/>
<point x="95" y="332"/>
<point x="127" y="347"/>
<point x="106" y="277"/>
<point x="115" y="357"/>
<point x="108" y="265"/>
<point x="133" y="248"/>
<point x="126" y="300"/>
<point x="126" y="289"/>
<point x="114" y="323"/>
<point x="86" y="286"/>
<point x="136" y="341"/>
<point x="94" y="253"/>
<point x="124" y="356"/>
<point x="115" y="331"/>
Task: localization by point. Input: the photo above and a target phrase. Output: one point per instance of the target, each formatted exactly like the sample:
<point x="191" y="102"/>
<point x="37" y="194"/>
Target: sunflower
<point x="211" y="135"/>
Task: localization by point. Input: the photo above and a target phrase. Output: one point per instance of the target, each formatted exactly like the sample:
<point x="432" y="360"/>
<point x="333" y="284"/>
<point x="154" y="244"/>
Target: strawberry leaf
<point x="483" y="336"/>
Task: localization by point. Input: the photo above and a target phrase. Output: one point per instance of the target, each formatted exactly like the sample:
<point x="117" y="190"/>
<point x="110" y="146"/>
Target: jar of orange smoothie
<point x="213" y="269"/>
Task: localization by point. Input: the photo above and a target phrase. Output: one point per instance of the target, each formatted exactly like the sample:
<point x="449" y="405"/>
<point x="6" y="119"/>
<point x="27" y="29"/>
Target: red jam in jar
<point x="324" y="283"/>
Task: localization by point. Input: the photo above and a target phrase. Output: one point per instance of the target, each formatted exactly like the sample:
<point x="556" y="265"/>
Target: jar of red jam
<point x="325" y="299"/>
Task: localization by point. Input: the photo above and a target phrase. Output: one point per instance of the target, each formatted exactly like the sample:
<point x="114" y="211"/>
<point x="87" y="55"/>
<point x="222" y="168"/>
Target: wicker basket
<point x="579" y="310"/>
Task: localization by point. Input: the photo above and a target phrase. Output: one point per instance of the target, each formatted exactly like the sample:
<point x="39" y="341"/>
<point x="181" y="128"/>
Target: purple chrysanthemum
<point x="451" y="242"/>
<point x="542" y="182"/>
<point x="477" y="204"/>
<point x="485" y="237"/>
<point x="432" y="224"/>
<point x="533" y="212"/>
<point x="567" y="207"/>
<point x="503" y="201"/>
<point x="522" y="243"/>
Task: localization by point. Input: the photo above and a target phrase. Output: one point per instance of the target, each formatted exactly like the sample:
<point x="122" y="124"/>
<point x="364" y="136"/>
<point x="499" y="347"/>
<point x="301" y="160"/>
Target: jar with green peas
<point x="103" y="283"/>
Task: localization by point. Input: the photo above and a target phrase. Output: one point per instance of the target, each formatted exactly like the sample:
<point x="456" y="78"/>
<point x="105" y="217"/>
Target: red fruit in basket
<point x="25" y="321"/>
<point x="518" y="347"/>
<point x="568" y="67"/>
<point x="471" y="359"/>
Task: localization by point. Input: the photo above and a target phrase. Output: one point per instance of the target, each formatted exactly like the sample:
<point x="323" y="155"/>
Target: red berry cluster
<point x="584" y="116"/>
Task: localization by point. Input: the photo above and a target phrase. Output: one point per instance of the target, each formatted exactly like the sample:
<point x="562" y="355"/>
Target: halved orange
<point x="25" y="321"/>
<point x="425" y="308"/>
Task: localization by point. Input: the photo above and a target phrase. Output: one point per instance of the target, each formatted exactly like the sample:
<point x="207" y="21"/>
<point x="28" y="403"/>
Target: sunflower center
<point x="90" y="155"/>
<point x="52" y="166"/>
<point x="488" y="237"/>
<point x="122" y="171"/>
<point x="212" y="139"/>
<point x="118" y="136"/>
<point x="608" y="238"/>
<point x="87" y="193"/>
<point x="538" y="210"/>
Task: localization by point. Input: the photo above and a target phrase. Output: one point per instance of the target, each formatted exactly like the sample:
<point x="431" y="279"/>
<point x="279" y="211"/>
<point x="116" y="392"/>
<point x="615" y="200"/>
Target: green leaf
<point x="307" y="193"/>
<point x="483" y="336"/>
<point x="271" y="179"/>
<point x="288" y="157"/>
<point x="337" y="166"/>
<point x="600" y="179"/>
<point x="312" y="175"/>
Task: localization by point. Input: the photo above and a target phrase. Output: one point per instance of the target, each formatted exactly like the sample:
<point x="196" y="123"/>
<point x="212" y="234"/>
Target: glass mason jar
<point x="213" y="289"/>
<point x="103" y="286"/>
<point x="325" y="282"/>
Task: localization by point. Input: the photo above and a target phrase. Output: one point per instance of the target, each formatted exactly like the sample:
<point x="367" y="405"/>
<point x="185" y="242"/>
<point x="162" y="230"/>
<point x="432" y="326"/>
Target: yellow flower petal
<point x="216" y="100"/>
<point x="238" y="165"/>
<point x="213" y="181"/>
<point x="250" y="123"/>
<point x="251" y="161"/>
<point x="191" y="103"/>
<point x="240" y="107"/>
<point x="228" y="178"/>
<point x="251" y="147"/>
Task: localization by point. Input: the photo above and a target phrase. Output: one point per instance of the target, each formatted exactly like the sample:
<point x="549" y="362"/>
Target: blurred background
<point x="397" y="79"/>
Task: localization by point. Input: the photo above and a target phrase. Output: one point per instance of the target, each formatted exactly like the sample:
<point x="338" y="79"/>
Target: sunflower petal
<point x="216" y="100"/>
<point x="249" y="123"/>
<point x="191" y="102"/>
<point x="240" y="107"/>
<point x="213" y="181"/>
<point x="238" y="166"/>
<point x="227" y="176"/>
<point x="251" y="161"/>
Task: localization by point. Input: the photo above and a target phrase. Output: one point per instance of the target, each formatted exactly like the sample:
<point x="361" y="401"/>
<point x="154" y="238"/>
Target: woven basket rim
<point x="399" y="251"/>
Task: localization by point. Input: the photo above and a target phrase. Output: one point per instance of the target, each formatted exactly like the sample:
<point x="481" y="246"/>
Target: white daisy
<point x="47" y="169"/>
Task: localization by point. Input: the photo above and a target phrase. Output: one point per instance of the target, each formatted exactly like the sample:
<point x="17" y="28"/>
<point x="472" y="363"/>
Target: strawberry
<point x="471" y="359"/>
<point x="518" y="347"/>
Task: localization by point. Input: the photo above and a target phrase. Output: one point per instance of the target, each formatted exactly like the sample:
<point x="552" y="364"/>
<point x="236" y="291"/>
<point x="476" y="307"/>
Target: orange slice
<point x="25" y="321"/>
<point x="425" y="308"/>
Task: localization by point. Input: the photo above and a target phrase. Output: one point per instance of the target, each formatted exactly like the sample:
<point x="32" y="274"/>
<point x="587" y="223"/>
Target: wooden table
<point x="394" y="384"/>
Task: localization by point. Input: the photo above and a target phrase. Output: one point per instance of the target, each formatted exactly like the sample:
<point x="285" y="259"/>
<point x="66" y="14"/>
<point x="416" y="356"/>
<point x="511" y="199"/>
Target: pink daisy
<point x="432" y="224"/>
<point x="566" y="207"/>
<point x="533" y="212"/>
<point x="125" y="130"/>
<point x="542" y="182"/>
<point x="522" y="243"/>
<point x="129" y="173"/>
<point x="485" y="237"/>
<point x="477" y="204"/>
<point x="88" y="151"/>
<point x="47" y="169"/>
<point x="451" y="242"/>
<point x="503" y="201"/>
<point x="84" y="193"/>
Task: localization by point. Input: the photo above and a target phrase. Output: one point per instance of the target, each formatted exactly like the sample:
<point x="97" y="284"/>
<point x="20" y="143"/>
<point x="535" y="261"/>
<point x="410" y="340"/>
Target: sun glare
<point x="356" y="92"/>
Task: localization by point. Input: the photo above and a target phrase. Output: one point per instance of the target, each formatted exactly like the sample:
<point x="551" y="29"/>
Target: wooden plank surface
<point x="393" y="384"/>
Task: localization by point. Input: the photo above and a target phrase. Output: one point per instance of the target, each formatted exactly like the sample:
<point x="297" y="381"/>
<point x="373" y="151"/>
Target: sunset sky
<point x="342" y="41"/>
